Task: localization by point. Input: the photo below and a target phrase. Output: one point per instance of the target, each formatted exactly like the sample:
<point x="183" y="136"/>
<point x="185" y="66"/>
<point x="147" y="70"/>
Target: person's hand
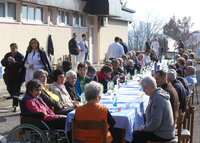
<point x="77" y="49"/>
<point x="75" y="103"/>
<point x="31" y="67"/>
<point x="141" y="128"/>
<point x="13" y="60"/>
<point x="9" y="59"/>
<point x="115" y="77"/>
<point x="61" y="116"/>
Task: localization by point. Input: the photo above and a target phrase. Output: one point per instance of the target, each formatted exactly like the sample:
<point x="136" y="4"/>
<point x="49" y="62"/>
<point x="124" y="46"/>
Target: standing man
<point x="83" y="49"/>
<point x="155" y="45"/>
<point x="124" y="45"/>
<point x="147" y="44"/>
<point x="73" y="50"/>
<point x="115" y="50"/>
<point x="180" y="45"/>
<point x="13" y="63"/>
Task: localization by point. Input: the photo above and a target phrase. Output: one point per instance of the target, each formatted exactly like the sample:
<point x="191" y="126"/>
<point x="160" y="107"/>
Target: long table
<point x="128" y="119"/>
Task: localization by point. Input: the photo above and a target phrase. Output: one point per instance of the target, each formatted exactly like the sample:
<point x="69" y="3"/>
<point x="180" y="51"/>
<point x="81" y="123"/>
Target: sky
<point x="168" y="8"/>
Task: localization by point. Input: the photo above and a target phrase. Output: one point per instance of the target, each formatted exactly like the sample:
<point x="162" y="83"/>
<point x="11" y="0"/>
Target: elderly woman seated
<point x="59" y="89"/>
<point x="51" y="99"/>
<point x="69" y="85"/>
<point x="159" y="126"/>
<point x="95" y="112"/>
<point x="32" y="102"/>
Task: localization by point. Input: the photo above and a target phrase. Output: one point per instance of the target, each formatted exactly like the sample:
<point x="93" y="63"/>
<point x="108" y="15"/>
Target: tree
<point x="151" y="27"/>
<point x="181" y="29"/>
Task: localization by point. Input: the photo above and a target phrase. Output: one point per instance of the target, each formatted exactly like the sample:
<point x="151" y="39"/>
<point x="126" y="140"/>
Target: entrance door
<point x="91" y="39"/>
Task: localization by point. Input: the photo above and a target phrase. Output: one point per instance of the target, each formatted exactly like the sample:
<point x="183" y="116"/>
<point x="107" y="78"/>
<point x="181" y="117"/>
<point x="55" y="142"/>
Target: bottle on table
<point x="112" y="85"/>
<point x="83" y="97"/>
<point x="118" y="82"/>
<point x="115" y="100"/>
<point x="108" y="85"/>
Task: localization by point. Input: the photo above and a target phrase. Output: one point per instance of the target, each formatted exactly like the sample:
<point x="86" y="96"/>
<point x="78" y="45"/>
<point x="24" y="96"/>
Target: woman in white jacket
<point x="33" y="60"/>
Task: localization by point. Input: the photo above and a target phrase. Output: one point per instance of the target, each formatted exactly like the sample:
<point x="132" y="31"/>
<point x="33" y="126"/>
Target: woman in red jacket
<point x="32" y="102"/>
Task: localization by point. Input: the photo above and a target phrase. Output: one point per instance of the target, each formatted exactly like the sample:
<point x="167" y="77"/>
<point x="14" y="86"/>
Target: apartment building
<point x="101" y="20"/>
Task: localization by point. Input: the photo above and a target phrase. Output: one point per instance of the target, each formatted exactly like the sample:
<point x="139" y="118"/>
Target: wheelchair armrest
<point x="38" y="115"/>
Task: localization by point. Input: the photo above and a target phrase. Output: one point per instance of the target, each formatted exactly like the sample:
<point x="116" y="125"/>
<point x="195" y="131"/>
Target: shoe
<point x="16" y="109"/>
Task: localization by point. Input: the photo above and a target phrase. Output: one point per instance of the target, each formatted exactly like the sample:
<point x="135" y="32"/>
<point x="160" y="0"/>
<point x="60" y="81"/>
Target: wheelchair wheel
<point x="26" y="133"/>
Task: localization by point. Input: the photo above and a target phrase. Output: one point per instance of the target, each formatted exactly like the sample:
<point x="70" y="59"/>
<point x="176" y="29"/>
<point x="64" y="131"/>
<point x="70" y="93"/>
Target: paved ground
<point x="9" y="119"/>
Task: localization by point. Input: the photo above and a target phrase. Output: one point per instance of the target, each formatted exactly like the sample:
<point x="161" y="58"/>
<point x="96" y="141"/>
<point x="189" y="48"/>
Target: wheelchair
<point x="33" y="130"/>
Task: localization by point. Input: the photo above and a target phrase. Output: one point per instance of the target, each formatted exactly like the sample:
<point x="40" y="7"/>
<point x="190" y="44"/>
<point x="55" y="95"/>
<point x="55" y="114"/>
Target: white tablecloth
<point x="129" y="119"/>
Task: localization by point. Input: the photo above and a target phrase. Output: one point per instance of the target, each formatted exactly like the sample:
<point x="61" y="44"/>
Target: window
<point x="79" y="20"/>
<point x="8" y="10"/>
<point x="31" y="13"/>
<point x="39" y="15"/>
<point x="11" y="10"/>
<point x="51" y="16"/>
<point x="2" y="9"/>
<point x="24" y="13"/>
<point x="63" y="18"/>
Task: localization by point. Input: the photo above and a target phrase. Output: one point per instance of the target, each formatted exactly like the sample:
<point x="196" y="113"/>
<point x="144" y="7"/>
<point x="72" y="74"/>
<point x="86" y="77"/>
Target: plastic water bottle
<point x="118" y="82"/>
<point x="83" y="97"/>
<point x="115" y="100"/>
<point x="126" y="79"/>
<point x="112" y="85"/>
<point x="108" y="85"/>
<point x="135" y="72"/>
<point x="129" y="76"/>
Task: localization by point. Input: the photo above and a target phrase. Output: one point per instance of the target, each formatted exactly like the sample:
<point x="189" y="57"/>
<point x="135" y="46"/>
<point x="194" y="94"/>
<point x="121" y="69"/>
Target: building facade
<point x="101" y="20"/>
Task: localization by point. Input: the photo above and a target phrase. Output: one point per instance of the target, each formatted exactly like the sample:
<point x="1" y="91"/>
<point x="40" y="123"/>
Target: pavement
<point x="10" y="119"/>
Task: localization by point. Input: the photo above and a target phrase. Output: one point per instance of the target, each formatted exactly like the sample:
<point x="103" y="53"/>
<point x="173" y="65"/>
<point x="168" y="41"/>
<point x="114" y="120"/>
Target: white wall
<point x="107" y="34"/>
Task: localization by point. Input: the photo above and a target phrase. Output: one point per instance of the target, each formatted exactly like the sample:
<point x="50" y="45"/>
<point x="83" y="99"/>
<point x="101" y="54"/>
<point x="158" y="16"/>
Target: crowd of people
<point x="165" y="88"/>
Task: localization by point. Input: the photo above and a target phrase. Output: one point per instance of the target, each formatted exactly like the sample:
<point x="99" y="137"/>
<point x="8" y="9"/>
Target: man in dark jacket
<point x="172" y="78"/>
<point x="73" y="50"/>
<point x="123" y="45"/>
<point x="147" y="44"/>
<point x="161" y="80"/>
<point x="13" y="63"/>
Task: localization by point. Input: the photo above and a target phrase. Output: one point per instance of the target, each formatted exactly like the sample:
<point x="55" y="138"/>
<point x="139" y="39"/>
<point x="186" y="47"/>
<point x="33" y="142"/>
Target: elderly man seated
<point x="172" y="78"/>
<point x="159" y="126"/>
<point x="191" y="75"/>
<point x="189" y="62"/>
<point x="117" y="71"/>
<point x="95" y="112"/>
<point x="161" y="80"/>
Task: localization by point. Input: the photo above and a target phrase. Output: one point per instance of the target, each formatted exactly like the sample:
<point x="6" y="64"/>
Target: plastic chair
<point x="89" y="125"/>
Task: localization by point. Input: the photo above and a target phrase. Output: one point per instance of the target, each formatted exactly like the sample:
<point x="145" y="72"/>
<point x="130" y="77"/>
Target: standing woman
<point x="35" y="59"/>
